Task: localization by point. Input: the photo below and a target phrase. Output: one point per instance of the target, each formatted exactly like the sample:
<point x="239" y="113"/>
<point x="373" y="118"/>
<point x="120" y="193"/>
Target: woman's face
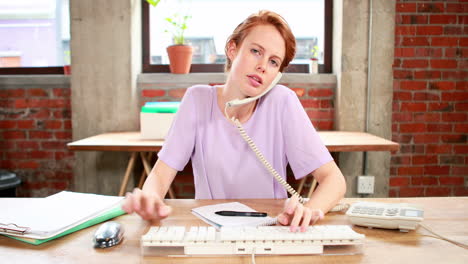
<point x="258" y="59"/>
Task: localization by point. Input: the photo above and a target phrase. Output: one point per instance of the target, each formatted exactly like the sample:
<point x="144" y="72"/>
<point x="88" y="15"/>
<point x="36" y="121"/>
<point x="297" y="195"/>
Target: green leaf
<point x="153" y="2"/>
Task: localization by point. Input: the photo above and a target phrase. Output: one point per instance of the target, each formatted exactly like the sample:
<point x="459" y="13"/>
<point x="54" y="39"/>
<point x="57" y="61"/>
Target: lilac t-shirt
<point x="224" y="166"/>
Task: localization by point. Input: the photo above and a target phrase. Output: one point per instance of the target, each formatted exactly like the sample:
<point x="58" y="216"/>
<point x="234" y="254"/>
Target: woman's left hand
<point x="296" y="214"/>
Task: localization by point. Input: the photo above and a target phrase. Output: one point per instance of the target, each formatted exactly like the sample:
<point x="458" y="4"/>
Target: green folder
<point x="117" y="211"/>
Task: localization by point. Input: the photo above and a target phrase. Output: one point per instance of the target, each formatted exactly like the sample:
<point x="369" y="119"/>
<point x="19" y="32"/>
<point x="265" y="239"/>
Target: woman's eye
<point x="274" y="63"/>
<point x="255" y="51"/>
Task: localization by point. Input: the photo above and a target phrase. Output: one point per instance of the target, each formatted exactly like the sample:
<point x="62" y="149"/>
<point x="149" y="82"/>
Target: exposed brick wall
<point x="317" y="99"/>
<point x="35" y="125"/>
<point x="430" y="105"/>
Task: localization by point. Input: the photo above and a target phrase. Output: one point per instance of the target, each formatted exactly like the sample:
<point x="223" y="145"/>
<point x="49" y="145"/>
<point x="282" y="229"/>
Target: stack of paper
<point x="37" y="220"/>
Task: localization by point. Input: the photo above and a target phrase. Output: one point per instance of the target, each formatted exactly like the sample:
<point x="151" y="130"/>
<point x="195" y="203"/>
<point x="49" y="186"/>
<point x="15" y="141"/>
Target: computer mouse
<point x="108" y="234"/>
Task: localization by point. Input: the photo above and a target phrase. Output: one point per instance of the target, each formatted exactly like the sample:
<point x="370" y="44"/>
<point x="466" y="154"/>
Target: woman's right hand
<point x="148" y="206"/>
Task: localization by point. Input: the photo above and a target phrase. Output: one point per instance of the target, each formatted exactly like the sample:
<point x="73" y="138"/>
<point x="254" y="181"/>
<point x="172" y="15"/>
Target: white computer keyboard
<point x="262" y="240"/>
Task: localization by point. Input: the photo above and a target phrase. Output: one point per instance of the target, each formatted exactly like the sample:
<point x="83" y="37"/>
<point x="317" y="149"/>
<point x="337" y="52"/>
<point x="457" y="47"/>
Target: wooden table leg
<point x="131" y="164"/>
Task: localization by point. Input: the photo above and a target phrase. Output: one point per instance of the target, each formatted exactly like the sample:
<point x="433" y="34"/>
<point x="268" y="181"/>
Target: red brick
<point x="320" y="114"/>
<point x="415" y="41"/>
<point x="177" y="93"/>
<point x="443" y="107"/>
<point x="443" y="86"/>
<point x="26" y="124"/>
<point x="426" y="138"/>
<point x="15" y="155"/>
<point x="5" y="93"/>
<point x="40" y="155"/>
<point x="53" y="145"/>
<point x="461" y="128"/>
<point x="461" y="191"/>
<point x="439" y="127"/>
<point x="428" y="52"/>
<point x="444" y="41"/>
<point x="13" y="135"/>
<point x="410" y="170"/>
<point x="462" y="20"/>
<point x="425" y="96"/>
<point x="463" y="171"/>
<point x="430" y="7"/>
<point x="424" y="180"/>
<point x="310" y="103"/>
<point x="453" y="52"/>
<point x="62" y="114"/>
<point x="444" y="64"/>
<point x="7" y="124"/>
<point x="28" y="165"/>
<point x="424" y="159"/>
<point x="39" y="135"/>
<point x="427" y="117"/>
<point x="456" y="8"/>
<point x="326" y="104"/>
<point x="451" y="159"/>
<point x="37" y="92"/>
<point x="299" y="91"/>
<point x="63" y="135"/>
<point x="453" y="30"/>
<point x="451" y="180"/>
<point x="413" y="85"/>
<point x="392" y="193"/>
<point x="411" y="191"/>
<point x="406" y="8"/>
<point x="396" y="63"/>
<point x="402" y="117"/>
<point x="402" y="96"/>
<point x="427" y="74"/>
<point x="404" y="52"/>
<point x="454" y="138"/>
<point x="62" y="92"/>
<point x="437" y="191"/>
<point x="27" y="145"/>
<point x="443" y="19"/>
<point x="413" y="107"/>
<point x="52" y="124"/>
<point x="455" y="75"/>
<point x="401" y="160"/>
<point x="399" y="181"/>
<point x="414" y="19"/>
<point x="461" y="107"/>
<point x="439" y="149"/>
<point x="321" y="92"/>
<point x="67" y="124"/>
<point x="405" y="30"/>
<point x="463" y="42"/>
<point x="436" y="170"/>
<point x="39" y="113"/>
<point x="455" y="96"/>
<point x="407" y="63"/>
<point x="402" y="74"/>
<point x="463" y="86"/>
<point x="413" y="128"/>
<point x="153" y="93"/>
<point x="429" y="30"/>
<point x="323" y="125"/>
<point x="454" y="117"/>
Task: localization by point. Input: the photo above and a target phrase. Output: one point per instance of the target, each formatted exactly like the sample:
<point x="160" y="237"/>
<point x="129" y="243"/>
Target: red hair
<point x="263" y="17"/>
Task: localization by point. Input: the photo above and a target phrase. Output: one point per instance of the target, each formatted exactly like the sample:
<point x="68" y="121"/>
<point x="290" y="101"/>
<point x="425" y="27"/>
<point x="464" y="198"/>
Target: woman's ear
<point x="232" y="50"/>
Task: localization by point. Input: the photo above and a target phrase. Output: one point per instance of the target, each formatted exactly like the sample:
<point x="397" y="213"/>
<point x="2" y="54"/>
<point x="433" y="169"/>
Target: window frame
<point x="147" y="67"/>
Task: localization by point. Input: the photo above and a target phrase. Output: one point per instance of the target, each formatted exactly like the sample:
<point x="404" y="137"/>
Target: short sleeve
<point x="180" y="140"/>
<point x="304" y="148"/>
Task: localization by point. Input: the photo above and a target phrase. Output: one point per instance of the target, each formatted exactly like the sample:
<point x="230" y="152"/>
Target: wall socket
<point x="365" y="184"/>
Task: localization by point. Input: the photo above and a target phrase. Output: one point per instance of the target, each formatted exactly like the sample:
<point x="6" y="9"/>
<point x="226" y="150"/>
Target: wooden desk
<point x="445" y="215"/>
<point x="335" y="141"/>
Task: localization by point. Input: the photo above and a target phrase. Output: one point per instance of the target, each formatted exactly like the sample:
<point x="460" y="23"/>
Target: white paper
<point x="49" y="216"/>
<point x="207" y="214"/>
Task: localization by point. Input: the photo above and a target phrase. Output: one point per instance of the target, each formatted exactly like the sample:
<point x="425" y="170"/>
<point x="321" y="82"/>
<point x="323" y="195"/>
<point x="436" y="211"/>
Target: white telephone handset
<point x="237" y="102"/>
<point x="250" y="142"/>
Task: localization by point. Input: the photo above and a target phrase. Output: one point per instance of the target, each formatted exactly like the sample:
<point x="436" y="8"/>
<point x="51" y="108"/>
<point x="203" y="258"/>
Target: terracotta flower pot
<point x="180" y="57"/>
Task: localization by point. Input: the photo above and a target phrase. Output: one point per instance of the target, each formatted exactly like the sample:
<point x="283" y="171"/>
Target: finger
<point x="292" y="204"/>
<point x="297" y="217"/>
<point x="317" y="215"/>
<point x="164" y="211"/>
<point x="127" y="206"/>
<point x="283" y="219"/>
<point x="306" y="219"/>
<point x="137" y="200"/>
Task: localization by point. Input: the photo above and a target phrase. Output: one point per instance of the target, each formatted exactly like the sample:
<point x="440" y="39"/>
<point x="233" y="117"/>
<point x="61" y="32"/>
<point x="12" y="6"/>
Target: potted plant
<point x="180" y="53"/>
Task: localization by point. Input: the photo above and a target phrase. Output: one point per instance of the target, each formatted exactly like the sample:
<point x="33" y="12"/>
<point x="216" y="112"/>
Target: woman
<point x="224" y="166"/>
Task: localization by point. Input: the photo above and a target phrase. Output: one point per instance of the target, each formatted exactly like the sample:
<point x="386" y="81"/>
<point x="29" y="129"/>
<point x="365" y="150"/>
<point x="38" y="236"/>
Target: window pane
<point x="212" y="21"/>
<point x="34" y="33"/>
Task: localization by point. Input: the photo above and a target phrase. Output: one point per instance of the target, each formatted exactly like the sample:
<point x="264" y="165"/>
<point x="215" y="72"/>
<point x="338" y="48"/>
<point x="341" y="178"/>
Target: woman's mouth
<point x="255" y="80"/>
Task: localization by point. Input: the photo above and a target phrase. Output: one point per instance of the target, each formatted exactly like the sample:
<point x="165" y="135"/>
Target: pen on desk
<point x="235" y="213"/>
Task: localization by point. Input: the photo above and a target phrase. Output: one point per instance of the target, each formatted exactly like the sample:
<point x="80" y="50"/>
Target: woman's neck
<point x="242" y="112"/>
